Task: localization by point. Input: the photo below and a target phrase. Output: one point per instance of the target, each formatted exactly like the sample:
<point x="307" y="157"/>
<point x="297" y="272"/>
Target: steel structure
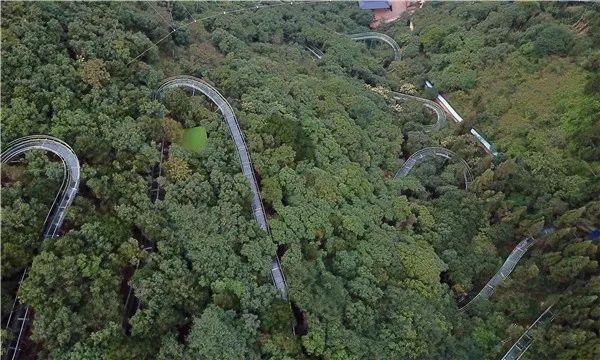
<point x="439" y="112"/>
<point x="446" y="104"/>
<point x="486" y="144"/>
<point x="196" y="84"/>
<point x="517" y="253"/>
<point x="423" y="154"/>
<point x="508" y="266"/>
<point x="70" y="184"/>
<point x="381" y="37"/>
<point x="524" y="342"/>
<point x="316" y="52"/>
<point x="18" y="317"/>
<point x="457" y="118"/>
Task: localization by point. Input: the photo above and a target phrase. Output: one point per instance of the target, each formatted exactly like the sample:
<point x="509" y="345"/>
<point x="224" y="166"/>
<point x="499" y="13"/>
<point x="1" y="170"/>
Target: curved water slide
<point x="439" y="112"/>
<point x="371" y="35"/>
<point x="18" y="317"/>
<point x="508" y="266"/>
<point x="423" y="154"/>
<point x="195" y="84"/>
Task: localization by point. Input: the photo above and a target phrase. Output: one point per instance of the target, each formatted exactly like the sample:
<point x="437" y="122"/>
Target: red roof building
<point x="387" y="11"/>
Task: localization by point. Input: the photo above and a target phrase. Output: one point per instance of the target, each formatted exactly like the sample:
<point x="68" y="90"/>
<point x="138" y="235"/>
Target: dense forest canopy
<point x="377" y="267"/>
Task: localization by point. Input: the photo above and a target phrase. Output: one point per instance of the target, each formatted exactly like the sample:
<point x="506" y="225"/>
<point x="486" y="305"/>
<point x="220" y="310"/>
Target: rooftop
<point x="373" y="4"/>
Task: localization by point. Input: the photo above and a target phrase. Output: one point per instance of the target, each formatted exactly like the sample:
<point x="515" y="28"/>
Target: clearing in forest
<point x="194" y="139"/>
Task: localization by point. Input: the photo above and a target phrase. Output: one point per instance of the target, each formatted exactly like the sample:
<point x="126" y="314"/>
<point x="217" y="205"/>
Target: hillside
<point x="169" y="250"/>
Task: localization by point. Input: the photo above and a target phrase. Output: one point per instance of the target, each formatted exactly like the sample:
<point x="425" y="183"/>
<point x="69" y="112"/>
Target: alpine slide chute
<point x="19" y="314"/>
<point x="70" y="186"/>
<point x="17" y="320"/>
<point x="195" y="84"/>
<point x="433" y="152"/>
<point x="370" y="35"/>
<point x="440" y="121"/>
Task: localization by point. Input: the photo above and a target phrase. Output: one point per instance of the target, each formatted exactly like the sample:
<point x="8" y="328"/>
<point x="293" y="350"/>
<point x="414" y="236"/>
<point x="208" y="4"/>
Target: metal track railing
<point x="193" y="83"/>
<point x="54" y="218"/>
<point x="421" y="155"/>
<point x="382" y="37"/>
<point x="441" y="116"/>
<point x="508" y="266"/>
<point x="524" y="342"/>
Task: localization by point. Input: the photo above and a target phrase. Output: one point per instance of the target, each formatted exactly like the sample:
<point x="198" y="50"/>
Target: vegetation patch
<point x="377" y="267"/>
<point x="194" y="139"/>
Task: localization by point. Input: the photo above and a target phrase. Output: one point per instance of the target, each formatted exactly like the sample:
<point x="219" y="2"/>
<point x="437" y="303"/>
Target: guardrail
<point x="457" y="118"/>
<point x="316" y="52"/>
<point x="524" y="342"/>
<point x="486" y="144"/>
<point x="70" y="184"/>
<point x="508" y="266"/>
<point x="441" y="116"/>
<point x="382" y="37"/>
<point x="445" y="104"/>
<point x="421" y="155"/>
<point x="193" y="83"/>
<point x="54" y="219"/>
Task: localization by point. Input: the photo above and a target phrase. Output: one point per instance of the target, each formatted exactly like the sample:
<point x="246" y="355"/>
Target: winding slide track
<point x="418" y="157"/>
<point x="508" y="266"/>
<point x="524" y="342"/>
<point x="423" y="154"/>
<point x="439" y="112"/>
<point x="17" y="319"/>
<point x="489" y="148"/>
<point x="196" y="84"/>
<point x="517" y="350"/>
<point x="513" y="258"/>
<point x="381" y="37"/>
<point x="70" y="186"/>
